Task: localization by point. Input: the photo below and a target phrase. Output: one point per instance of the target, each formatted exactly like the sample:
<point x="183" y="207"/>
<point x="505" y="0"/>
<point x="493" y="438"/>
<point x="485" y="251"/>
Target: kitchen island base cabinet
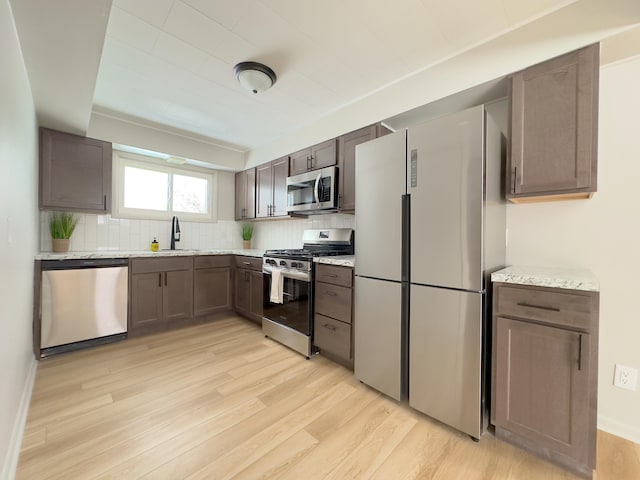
<point x="545" y="373"/>
<point x="161" y="293"/>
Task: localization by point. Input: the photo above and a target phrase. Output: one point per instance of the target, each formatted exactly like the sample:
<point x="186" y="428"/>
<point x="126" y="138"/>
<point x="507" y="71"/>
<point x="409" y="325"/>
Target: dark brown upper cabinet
<point x="552" y="152"/>
<point x="319" y="156"/>
<point x="347" y="162"/>
<point x="271" y="188"/>
<point x="75" y="173"/>
<point x="245" y="195"/>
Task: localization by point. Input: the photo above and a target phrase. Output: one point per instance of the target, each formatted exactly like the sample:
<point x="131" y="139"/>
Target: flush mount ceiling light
<point x="254" y="76"/>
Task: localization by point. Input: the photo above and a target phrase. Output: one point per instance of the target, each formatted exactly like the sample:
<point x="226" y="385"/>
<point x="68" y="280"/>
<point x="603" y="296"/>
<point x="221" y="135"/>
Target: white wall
<point x="287" y="233"/>
<point x="603" y="235"/>
<point x="18" y="239"/>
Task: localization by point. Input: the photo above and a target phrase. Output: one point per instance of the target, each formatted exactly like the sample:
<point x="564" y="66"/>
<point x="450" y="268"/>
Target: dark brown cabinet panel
<point x="75" y="173"/>
<point x="319" y="156"/>
<point x="553" y="128"/>
<point x="333" y="312"/>
<point x="161" y="292"/>
<point x="248" y="288"/>
<point x="545" y="372"/>
<point x="212" y="285"/>
<point x="146" y="300"/>
<point x="245" y="201"/>
<point x="347" y="162"/>
<point x="271" y="189"/>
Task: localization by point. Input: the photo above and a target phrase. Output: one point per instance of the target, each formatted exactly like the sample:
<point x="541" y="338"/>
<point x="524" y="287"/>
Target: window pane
<point x="145" y="189"/>
<point x="189" y="194"/>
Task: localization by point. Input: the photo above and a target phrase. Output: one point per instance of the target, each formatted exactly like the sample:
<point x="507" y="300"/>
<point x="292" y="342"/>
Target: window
<point x="145" y="188"/>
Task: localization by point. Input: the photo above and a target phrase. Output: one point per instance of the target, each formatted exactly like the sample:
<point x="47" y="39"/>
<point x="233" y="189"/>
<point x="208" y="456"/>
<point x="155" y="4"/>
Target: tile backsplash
<point x="102" y="232"/>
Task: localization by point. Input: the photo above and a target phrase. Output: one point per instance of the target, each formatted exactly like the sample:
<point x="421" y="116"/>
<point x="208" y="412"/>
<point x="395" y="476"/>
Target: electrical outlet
<point x="625" y="377"/>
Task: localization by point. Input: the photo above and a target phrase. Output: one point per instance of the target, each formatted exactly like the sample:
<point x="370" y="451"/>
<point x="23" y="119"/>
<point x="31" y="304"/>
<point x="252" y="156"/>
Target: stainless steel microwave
<point x="313" y="191"/>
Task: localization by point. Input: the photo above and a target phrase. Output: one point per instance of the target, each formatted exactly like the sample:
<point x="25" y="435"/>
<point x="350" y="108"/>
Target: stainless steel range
<point x="288" y="286"/>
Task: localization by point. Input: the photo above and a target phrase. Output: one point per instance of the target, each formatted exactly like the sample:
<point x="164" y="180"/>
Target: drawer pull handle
<point x="330" y="327"/>
<point x="331" y="294"/>
<point x="246" y="263"/>
<point x="331" y="275"/>
<point x="541" y="307"/>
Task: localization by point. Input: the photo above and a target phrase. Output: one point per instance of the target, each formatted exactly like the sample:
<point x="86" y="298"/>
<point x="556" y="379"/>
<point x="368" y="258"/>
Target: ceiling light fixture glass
<point x="254" y="76"/>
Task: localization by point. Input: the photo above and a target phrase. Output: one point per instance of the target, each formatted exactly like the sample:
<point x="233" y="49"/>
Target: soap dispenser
<point x="155" y="246"/>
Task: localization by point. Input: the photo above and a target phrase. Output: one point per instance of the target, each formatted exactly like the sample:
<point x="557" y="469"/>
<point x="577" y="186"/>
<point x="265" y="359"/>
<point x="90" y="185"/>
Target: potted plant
<point x="61" y="225"/>
<point x="247" y="234"/>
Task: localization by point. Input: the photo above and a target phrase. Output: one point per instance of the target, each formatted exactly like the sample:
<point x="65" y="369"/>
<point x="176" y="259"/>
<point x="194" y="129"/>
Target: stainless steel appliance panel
<point x="380" y="185"/>
<point x="83" y="304"/>
<point x="378" y="335"/>
<point x="445" y="182"/>
<point x="313" y="191"/>
<point x="445" y="356"/>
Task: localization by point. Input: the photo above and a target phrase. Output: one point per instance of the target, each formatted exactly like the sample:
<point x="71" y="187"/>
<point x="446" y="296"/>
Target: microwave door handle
<point x="316" y="191"/>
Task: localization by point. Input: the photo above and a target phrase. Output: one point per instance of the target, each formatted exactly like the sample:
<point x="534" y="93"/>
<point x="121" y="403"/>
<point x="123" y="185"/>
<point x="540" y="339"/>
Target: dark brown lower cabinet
<point x="211" y="284"/>
<point x="545" y="372"/>
<point x="333" y="307"/>
<point x="248" y="288"/>
<point x="161" y="292"/>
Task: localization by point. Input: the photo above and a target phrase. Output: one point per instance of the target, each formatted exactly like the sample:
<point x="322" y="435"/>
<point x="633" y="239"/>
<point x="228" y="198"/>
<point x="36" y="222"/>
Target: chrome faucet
<point x="175" y="232"/>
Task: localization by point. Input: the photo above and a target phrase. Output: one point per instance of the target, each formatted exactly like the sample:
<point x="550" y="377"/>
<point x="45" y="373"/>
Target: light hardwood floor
<point x="221" y="401"/>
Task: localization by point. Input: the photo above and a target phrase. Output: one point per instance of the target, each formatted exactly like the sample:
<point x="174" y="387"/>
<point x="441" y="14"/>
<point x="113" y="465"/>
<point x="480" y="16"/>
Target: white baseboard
<point x="619" y="429"/>
<point x="13" y="452"/>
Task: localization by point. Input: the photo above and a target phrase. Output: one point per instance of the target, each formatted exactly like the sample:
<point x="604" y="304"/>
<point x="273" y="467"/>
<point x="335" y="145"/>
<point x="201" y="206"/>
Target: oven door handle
<point x="303" y="276"/>
<point x="316" y="190"/>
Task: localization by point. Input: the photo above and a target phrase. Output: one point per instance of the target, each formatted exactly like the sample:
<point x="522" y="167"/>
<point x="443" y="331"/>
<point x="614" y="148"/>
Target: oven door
<point x="296" y="310"/>
<point x="316" y="190"/>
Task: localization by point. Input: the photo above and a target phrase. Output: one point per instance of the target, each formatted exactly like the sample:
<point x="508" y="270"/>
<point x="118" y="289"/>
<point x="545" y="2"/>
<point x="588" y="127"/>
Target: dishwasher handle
<point x="83" y="263"/>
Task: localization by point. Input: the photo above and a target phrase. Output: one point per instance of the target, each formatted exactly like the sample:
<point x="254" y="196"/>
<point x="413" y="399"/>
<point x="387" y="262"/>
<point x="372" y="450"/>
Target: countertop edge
<point x="146" y="254"/>
<point x="563" y="278"/>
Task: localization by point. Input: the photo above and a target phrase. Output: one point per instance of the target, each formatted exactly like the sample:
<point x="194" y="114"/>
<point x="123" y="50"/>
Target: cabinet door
<point x="243" y="291"/>
<point x="211" y="290"/>
<point x="324" y="154"/>
<point x="264" y="190"/>
<point x="146" y="300"/>
<point x="347" y="164"/>
<point x="554" y="117"/>
<point x="75" y="172"/>
<point x="300" y="161"/>
<point x="241" y="195"/>
<point x="256" y="297"/>
<point x="250" y="202"/>
<point x="542" y="385"/>
<point x="280" y="174"/>
<point x="177" y="295"/>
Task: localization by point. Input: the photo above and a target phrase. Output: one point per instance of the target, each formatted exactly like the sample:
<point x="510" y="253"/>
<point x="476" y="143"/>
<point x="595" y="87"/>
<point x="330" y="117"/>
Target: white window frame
<point x="126" y="159"/>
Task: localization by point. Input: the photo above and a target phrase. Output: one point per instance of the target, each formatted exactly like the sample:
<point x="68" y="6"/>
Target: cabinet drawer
<point x="333" y="301"/>
<point x="251" y="263"/>
<point x="571" y="310"/>
<point x="332" y="336"/>
<point x="211" y="261"/>
<point x="160" y="264"/>
<point x="333" y="274"/>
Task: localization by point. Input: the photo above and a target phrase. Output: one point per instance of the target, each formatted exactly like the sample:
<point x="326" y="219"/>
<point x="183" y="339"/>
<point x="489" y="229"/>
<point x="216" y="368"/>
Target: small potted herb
<point x="61" y="226"/>
<point x="247" y="234"/>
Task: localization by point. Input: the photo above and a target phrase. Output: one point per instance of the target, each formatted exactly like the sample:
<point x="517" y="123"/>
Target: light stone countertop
<point x="144" y="253"/>
<point x="341" y="260"/>
<point x="569" y="278"/>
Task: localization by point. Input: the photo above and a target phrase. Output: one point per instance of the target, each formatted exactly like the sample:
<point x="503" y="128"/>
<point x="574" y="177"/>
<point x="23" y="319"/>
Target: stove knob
<point x="271" y="262"/>
<point x="283" y="263"/>
<point x="296" y="265"/>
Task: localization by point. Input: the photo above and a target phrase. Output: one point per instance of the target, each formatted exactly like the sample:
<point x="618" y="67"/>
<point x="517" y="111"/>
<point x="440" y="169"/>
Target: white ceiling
<point x="170" y="62"/>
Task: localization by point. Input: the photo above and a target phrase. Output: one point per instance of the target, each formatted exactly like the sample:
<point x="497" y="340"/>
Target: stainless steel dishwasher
<point x="82" y="303"/>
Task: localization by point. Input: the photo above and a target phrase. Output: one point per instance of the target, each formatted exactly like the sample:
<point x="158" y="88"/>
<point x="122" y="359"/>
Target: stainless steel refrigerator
<point x="430" y="221"/>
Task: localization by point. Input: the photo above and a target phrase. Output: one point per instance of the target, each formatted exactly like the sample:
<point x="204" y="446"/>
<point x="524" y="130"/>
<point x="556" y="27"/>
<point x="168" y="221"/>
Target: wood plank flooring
<point x="219" y="401"/>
